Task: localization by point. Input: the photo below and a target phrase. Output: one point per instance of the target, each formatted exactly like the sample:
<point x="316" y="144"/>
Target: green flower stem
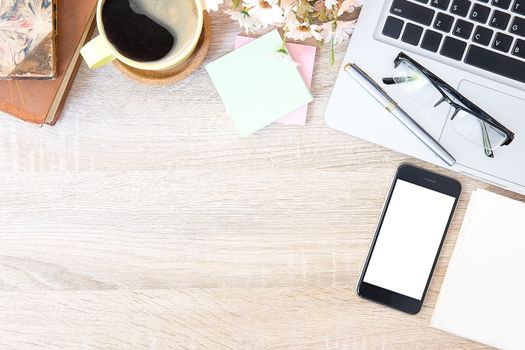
<point x="332" y="53"/>
<point x="282" y="49"/>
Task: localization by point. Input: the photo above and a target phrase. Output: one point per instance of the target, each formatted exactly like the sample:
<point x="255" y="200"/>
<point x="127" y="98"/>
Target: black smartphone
<point x="408" y="238"/>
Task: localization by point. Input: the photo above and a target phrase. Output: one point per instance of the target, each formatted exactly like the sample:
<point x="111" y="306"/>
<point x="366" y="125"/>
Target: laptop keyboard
<point x="487" y="34"/>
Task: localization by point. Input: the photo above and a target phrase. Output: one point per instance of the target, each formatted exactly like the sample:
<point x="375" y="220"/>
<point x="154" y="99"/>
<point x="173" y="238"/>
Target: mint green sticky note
<point x="258" y="86"/>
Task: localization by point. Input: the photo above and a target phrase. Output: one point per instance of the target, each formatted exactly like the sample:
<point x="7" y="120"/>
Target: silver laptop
<point x="477" y="47"/>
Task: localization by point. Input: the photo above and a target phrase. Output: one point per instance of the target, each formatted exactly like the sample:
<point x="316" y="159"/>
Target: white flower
<point x="303" y="31"/>
<point x="210" y="5"/>
<point x="267" y="11"/>
<point x="338" y="31"/>
<point x="330" y="3"/>
<point x="349" y="6"/>
<point x="284" y="56"/>
<point x="288" y="6"/>
<point x="247" y="22"/>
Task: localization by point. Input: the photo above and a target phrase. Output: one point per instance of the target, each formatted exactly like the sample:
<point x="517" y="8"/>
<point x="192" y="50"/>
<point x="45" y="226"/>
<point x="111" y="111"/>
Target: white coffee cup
<point x="100" y="51"/>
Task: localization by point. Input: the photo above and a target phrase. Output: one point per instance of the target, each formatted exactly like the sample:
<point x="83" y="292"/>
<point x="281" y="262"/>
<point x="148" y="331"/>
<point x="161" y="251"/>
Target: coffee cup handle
<point x="97" y="52"/>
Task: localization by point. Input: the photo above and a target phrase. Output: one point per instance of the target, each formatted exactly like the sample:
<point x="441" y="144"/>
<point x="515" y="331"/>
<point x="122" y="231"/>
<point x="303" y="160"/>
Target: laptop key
<point x="393" y="27"/>
<point x="518" y="26"/>
<point x="431" y="40"/>
<point x="502" y="42"/>
<point x="463" y="29"/>
<point x="423" y="1"/>
<point x="482" y="35"/>
<point x="453" y="48"/>
<point x="412" y="11"/>
<point x="496" y="63"/>
<point x="443" y="22"/>
<point x="499" y="20"/>
<point x="519" y="7"/>
<point x="502" y="4"/>
<point x="440" y="4"/>
<point x="460" y="7"/>
<point x="412" y="34"/>
<point x="519" y="49"/>
<point x="479" y="13"/>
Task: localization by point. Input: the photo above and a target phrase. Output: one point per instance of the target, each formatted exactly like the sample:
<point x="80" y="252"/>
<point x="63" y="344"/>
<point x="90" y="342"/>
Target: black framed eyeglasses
<point x="469" y="120"/>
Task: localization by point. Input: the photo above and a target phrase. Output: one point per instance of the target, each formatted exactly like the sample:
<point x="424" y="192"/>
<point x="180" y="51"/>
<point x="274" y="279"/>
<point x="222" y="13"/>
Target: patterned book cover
<point x="27" y="39"/>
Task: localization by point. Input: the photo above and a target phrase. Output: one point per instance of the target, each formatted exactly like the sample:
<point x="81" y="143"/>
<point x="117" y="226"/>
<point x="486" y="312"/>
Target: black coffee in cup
<point x="134" y="34"/>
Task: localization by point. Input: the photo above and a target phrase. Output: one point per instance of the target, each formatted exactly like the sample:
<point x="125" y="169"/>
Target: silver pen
<point x="386" y="101"/>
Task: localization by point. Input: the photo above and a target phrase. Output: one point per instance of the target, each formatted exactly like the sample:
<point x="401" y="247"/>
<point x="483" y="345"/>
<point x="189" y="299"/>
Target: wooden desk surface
<point x="143" y="221"/>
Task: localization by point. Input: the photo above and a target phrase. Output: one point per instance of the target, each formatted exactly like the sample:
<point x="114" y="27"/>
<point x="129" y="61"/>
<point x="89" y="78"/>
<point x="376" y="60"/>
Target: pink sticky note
<point x="304" y="55"/>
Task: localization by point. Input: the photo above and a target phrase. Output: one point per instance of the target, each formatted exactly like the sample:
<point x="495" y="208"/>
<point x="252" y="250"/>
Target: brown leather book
<point x="40" y="101"/>
<point x="28" y="36"/>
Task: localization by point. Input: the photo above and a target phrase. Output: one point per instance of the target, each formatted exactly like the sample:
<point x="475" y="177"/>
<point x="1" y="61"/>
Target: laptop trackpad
<point x="507" y="163"/>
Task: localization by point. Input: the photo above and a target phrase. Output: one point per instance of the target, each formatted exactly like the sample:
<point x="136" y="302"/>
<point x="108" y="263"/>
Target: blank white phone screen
<point x="409" y="239"/>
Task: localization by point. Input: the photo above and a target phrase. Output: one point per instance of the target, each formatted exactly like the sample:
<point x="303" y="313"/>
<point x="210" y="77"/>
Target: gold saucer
<point x="179" y="72"/>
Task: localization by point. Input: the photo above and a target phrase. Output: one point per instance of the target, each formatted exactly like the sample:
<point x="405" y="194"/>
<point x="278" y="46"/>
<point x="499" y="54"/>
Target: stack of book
<point x="40" y="42"/>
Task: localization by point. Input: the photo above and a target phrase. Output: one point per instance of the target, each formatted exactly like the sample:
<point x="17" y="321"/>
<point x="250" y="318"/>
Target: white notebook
<point x="483" y="295"/>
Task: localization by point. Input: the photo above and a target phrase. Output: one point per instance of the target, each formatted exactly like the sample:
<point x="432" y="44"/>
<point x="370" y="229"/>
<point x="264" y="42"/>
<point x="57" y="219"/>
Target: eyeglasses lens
<point x="416" y="84"/>
<point x="477" y="131"/>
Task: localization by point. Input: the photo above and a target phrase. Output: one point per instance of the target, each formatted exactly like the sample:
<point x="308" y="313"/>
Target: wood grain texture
<point x="141" y="220"/>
